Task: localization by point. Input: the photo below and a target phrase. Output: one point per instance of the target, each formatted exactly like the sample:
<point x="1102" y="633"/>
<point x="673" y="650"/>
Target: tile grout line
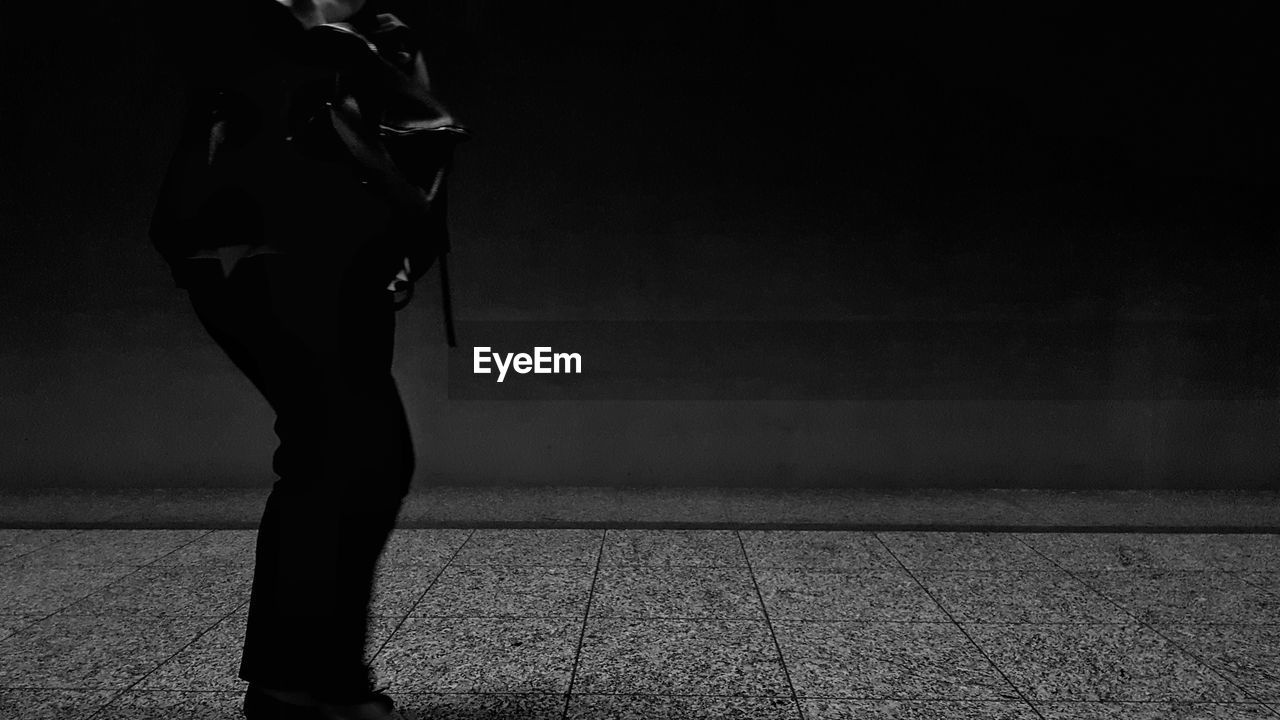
<point x="95" y="591"/>
<point x="42" y="618"/>
<point x="586" y="618"/>
<point x="41" y="547"/>
<point x="599" y="559"/>
<point x="209" y="629"/>
<point x="408" y="614"/>
<point x="199" y="635"/>
<point x="136" y="569"/>
<point x="768" y="623"/>
<point x="1150" y="627"/>
<point x="161" y="664"/>
<point x="1263" y="588"/>
<point x="958" y="626"/>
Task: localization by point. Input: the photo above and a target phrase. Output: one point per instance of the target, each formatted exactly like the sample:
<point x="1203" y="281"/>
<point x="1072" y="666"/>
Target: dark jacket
<point x="308" y="140"/>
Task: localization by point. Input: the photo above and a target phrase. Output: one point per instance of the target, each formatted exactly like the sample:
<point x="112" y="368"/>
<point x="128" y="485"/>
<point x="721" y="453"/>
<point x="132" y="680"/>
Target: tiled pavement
<point x="594" y="623"/>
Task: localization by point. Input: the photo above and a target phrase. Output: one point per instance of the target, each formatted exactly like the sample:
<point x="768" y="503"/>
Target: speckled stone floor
<point x="615" y="622"/>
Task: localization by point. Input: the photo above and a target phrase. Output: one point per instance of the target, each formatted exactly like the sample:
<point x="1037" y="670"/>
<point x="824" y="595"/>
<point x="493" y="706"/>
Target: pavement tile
<point x="212" y="662"/>
<point x="973" y="551"/>
<point x="87" y="652"/>
<point x="1163" y="597"/>
<point x="397" y="589"/>
<point x="198" y="590"/>
<point x="884" y="595"/>
<point x="481" y="706"/>
<point x="915" y="710"/>
<point x="15" y="543"/>
<point x="675" y="592"/>
<point x="431" y="547"/>
<point x="908" y="661"/>
<point x="1052" y="663"/>
<point x="52" y="704"/>
<point x="10" y="624"/>
<point x="508" y="591"/>
<point x="1160" y="551"/>
<point x="677" y="657"/>
<point x="1019" y="597"/>
<point x="219" y="547"/>
<point x="530" y="547"/>
<point x="719" y="548"/>
<point x="1269" y="581"/>
<point x="1154" y="711"/>
<point x="1248" y="654"/>
<point x="832" y="550"/>
<point x="167" y="705"/>
<point x="709" y="707"/>
<point x="115" y="547"/>
<point x="31" y="586"/>
<point x="480" y="655"/>
<point x="675" y="627"/>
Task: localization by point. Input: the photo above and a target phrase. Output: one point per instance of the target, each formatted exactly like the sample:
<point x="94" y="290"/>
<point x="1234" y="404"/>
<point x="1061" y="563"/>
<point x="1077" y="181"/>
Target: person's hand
<point x="401" y="280"/>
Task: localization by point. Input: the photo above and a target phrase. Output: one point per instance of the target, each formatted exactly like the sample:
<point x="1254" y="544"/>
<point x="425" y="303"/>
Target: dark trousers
<point x="316" y="340"/>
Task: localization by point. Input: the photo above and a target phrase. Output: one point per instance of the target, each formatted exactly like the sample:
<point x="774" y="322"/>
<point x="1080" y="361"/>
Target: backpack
<point x="382" y="111"/>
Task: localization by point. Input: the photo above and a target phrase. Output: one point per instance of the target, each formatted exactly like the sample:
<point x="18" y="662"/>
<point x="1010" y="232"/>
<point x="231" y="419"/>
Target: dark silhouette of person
<point x="285" y="248"/>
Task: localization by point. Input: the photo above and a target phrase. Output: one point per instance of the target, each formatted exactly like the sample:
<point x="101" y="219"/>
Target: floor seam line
<point x="162" y="663"/>
<point x="768" y="623"/>
<point x="586" y="618"/>
<point x="409" y="613"/>
<point x="1143" y="623"/>
<point x="136" y="569"/>
<point x="959" y="627"/>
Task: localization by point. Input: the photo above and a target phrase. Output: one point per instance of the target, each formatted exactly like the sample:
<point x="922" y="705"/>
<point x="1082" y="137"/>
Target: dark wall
<point x="1039" y="241"/>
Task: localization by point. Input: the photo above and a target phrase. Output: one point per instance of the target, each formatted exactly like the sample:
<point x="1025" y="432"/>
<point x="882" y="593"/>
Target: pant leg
<point x="317" y="341"/>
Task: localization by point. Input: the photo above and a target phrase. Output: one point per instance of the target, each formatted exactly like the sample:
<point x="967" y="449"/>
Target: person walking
<point x="286" y="219"/>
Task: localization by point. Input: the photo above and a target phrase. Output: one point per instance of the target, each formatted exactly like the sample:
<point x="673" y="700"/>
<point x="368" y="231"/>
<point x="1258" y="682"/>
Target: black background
<point x="1096" y="164"/>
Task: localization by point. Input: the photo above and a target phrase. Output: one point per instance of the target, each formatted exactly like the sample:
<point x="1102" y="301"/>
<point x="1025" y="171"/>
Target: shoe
<point x="377" y="706"/>
<point x="258" y="705"/>
<point x="366" y="701"/>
